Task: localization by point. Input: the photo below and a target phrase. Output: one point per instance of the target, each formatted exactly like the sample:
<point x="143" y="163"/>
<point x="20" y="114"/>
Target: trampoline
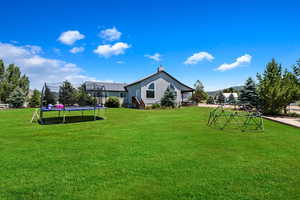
<point x="44" y="109"/>
<point x="54" y="94"/>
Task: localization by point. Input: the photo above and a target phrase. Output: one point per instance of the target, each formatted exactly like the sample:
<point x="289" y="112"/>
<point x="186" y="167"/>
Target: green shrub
<point x="112" y="102"/>
<point x="155" y="106"/>
<point x="148" y="107"/>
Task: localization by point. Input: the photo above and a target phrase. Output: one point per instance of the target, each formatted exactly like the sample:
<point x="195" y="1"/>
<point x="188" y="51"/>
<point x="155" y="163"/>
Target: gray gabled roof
<point x="107" y="86"/>
<point x="162" y="71"/>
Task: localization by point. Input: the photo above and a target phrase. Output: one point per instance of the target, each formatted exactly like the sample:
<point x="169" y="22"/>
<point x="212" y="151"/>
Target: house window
<point x="122" y="94"/>
<point x="150" y="92"/>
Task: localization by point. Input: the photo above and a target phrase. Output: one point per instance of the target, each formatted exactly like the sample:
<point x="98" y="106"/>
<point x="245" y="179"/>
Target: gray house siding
<point x="122" y="96"/>
<point x="103" y="90"/>
<point x="161" y="83"/>
<point x="134" y="90"/>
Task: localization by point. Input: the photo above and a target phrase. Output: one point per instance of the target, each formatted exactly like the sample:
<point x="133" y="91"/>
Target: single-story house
<point x="103" y="90"/>
<point x="141" y="93"/>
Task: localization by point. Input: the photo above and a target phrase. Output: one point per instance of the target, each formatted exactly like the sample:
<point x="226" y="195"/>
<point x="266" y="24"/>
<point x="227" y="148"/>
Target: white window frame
<point x="147" y="89"/>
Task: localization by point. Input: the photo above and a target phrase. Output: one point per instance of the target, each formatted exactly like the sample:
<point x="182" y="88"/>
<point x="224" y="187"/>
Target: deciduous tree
<point x="290" y="90"/>
<point x="10" y="79"/>
<point x="199" y="94"/>
<point x="83" y="98"/>
<point x="35" y="99"/>
<point x="67" y="94"/>
<point x="49" y="97"/>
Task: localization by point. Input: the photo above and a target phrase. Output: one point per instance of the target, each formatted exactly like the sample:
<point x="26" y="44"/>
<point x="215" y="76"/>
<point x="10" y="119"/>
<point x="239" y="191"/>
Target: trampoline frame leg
<point x="64" y="117"/>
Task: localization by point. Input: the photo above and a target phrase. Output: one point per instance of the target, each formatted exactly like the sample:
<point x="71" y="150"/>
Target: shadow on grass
<point x="69" y="119"/>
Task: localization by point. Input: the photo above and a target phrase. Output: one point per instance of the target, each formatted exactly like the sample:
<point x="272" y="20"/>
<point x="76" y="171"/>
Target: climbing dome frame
<point x="245" y="121"/>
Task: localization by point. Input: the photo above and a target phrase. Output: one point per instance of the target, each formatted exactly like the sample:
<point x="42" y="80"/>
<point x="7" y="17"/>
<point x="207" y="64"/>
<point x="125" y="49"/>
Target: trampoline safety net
<point x="64" y="103"/>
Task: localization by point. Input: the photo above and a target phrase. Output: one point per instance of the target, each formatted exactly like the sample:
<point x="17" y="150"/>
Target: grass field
<point x="136" y="154"/>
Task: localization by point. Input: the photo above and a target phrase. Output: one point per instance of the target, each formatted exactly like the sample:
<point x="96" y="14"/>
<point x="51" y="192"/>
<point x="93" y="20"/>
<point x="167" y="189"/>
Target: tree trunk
<point x="285" y="110"/>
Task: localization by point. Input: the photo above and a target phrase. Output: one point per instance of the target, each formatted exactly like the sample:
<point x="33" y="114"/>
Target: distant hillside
<point x="213" y="93"/>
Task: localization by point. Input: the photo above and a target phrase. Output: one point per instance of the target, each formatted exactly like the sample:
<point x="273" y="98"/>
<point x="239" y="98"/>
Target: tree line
<point x="14" y="90"/>
<point x="275" y="90"/>
<point x="67" y="95"/>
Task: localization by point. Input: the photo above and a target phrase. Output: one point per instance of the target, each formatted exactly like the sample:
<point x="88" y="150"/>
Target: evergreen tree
<point x="276" y="89"/>
<point x="220" y="98"/>
<point x="210" y="100"/>
<point x="83" y="98"/>
<point x="248" y="94"/>
<point x="67" y="94"/>
<point x="35" y="99"/>
<point x="231" y="99"/>
<point x="199" y="94"/>
<point x="270" y="88"/>
<point x="17" y="98"/>
<point x="168" y="99"/>
<point x="49" y="97"/>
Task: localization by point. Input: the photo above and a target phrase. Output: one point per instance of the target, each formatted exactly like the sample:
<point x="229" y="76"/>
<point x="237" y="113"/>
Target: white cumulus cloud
<point x="109" y="50"/>
<point x="34" y="49"/>
<point x="239" y="61"/>
<point x="40" y="69"/>
<point x="110" y="34"/>
<point x="197" y="57"/>
<point x="156" y="57"/>
<point x="70" y="37"/>
<point x="75" y="50"/>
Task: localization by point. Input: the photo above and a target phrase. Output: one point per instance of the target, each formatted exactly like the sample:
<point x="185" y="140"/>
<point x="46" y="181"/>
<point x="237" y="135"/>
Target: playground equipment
<point x="245" y="121"/>
<point x="51" y="93"/>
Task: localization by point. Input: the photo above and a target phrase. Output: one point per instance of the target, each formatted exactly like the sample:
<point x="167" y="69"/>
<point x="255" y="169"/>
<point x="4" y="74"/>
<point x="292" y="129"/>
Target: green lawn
<point x="137" y="154"/>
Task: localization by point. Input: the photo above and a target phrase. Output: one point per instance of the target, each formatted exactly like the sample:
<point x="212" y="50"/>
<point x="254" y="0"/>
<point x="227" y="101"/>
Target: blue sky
<point x="123" y="41"/>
